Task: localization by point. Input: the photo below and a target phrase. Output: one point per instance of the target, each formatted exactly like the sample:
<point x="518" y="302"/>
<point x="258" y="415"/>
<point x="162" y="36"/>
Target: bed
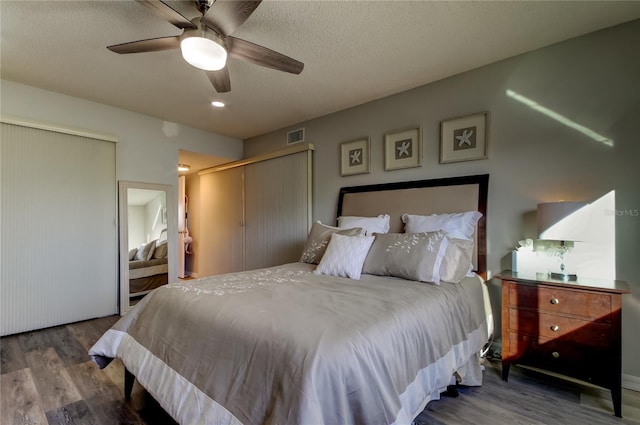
<point x="289" y="344"/>
<point x="148" y="266"/>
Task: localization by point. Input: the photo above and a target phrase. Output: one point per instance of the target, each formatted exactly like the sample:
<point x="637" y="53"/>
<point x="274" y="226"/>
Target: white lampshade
<point x="203" y="48"/>
<point x="561" y="221"/>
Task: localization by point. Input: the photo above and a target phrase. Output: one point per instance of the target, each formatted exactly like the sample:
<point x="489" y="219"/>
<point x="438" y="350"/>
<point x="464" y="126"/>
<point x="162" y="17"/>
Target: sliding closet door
<point x="58" y="228"/>
<point x="277" y="209"/>
<point x="219" y="247"/>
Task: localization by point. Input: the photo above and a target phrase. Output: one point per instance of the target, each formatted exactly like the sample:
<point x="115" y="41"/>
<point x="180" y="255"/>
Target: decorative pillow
<point x="457" y="225"/>
<point x="371" y="225"/>
<point x="344" y="256"/>
<point x="145" y="252"/>
<point x="132" y="253"/>
<point x="413" y="256"/>
<point x="456" y="262"/>
<point x="161" y="250"/>
<point x="318" y="240"/>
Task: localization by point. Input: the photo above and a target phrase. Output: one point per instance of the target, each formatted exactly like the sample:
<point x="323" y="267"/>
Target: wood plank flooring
<point x="47" y="377"/>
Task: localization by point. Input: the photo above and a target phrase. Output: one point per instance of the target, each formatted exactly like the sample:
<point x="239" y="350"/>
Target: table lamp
<point x="558" y="221"/>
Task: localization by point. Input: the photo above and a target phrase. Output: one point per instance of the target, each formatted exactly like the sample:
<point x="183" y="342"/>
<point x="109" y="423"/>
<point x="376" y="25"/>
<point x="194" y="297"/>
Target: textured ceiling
<point x="354" y="52"/>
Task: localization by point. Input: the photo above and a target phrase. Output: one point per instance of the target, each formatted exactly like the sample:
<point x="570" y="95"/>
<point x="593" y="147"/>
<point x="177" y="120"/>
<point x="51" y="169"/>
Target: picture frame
<point x="403" y="149"/>
<point x="355" y="157"/>
<point x="464" y="138"/>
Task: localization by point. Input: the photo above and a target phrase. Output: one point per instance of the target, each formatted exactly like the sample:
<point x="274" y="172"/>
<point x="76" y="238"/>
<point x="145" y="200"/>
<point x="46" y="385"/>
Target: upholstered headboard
<point x="423" y="197"/>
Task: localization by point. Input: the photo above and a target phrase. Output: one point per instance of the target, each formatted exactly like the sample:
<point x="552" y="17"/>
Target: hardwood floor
<point x="47" y="377"/>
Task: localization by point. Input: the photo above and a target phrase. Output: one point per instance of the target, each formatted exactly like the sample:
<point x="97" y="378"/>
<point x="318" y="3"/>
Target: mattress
<point x="284" y="345"/>
<point x="146" y="268"/>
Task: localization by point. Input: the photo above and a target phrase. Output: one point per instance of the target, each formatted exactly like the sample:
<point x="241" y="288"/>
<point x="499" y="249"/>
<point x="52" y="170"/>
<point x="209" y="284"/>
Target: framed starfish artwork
<point x="403" y="149"/>
<point x="354" y="157"/>
<point x="464" y="138"/>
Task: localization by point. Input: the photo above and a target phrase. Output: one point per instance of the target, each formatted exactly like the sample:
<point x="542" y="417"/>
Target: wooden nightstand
<point x="570" y="328"/>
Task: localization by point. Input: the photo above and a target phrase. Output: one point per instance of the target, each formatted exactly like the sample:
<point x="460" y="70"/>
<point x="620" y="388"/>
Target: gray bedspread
<point x="285" y="346"/>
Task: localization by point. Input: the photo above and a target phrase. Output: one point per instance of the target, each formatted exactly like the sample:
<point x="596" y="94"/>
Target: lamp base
<point x="563" y="276"/>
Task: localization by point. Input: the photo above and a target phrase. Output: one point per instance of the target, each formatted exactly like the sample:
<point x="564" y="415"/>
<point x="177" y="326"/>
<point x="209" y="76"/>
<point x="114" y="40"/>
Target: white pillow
<point x="457" y="225"/>
<point x="345" y="256"/>
<point x="371" y="225"/>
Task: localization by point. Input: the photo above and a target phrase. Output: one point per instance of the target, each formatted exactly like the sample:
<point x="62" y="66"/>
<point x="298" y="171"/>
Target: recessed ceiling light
<point x="184" y="167"/>
<point x="217" y="104"/>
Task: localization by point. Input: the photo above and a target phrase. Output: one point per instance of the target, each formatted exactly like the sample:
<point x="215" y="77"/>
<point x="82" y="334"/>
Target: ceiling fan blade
<point x="168" y="13"/>
<point x="224" y="16"/>
<point x="149" y="45"/>
<point x="250" y="52"/>
<point x="220" y="80"/>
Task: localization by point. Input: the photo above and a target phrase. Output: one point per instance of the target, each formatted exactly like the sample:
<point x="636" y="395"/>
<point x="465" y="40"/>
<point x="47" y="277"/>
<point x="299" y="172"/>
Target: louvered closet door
<point x="277" y="209"/>
<point x="58" y="228"/>
<point x="221" y="231"/>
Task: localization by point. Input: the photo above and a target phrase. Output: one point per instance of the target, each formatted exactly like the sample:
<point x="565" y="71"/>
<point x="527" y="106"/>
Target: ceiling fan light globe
<point x="203" y="53"/>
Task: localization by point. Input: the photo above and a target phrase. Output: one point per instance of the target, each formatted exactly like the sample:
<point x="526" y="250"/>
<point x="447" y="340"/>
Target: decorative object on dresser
<point x="403" y="149"/>
<point x="561" y="222"/>
<point x="354" y="157"/>
<point x="569" y="328"/>
<point x="465" y="138"/>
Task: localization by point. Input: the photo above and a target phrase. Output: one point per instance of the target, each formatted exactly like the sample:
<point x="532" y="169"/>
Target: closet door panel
<point x="277" y="210"/>
<point x="221" y="230"/>
<point x="58" y="228"/>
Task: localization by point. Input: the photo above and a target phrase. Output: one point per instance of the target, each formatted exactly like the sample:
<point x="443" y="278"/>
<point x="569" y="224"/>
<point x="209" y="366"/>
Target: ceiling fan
<point x="206" y="42"/>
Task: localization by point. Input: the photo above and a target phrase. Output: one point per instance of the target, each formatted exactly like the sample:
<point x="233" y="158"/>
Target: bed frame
<point x="423" y="197"/>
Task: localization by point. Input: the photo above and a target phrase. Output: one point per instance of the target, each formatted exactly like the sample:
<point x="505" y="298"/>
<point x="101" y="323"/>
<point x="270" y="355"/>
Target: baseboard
<point x="630" y="382"/>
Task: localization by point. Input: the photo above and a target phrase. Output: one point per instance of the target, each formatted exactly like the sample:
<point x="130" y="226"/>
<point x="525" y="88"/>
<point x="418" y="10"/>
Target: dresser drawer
<point x="587" y="305"/>
<point x="565" y="357"/>
<point x="550" y="326"/>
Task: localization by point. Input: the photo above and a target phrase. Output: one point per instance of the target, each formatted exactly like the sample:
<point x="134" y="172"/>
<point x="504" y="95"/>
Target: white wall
<point x="135" y="226"/>
<point x="153" y="217"/>
<point x="593" y="80"/>
<point x="147" y="148"/>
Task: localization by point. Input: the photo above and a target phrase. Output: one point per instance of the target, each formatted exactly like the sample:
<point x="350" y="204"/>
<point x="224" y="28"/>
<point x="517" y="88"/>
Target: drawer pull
<point x="555" y="328"/>
<point x="555" y="354"/>
<point x="554" y="301"/>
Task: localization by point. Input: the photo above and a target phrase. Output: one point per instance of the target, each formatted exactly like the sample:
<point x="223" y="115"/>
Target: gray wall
<point x="593" y="80"/>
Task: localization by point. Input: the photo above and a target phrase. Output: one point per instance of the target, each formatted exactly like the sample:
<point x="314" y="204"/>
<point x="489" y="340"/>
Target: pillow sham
<point x="132" y="253"/>
<point x="413" y="256"/>
<point x="345" y="256"/>
<point x="371" y="225"/>
<point x="160" y="250"/>
<point x="318" y="239"/>
<point x="145" y="252"/>
<point x="457" y="225"/>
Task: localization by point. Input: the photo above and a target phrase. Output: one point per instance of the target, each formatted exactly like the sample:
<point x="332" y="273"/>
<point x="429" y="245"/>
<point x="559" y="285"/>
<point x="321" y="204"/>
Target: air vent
<point x="295" y="136"/>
